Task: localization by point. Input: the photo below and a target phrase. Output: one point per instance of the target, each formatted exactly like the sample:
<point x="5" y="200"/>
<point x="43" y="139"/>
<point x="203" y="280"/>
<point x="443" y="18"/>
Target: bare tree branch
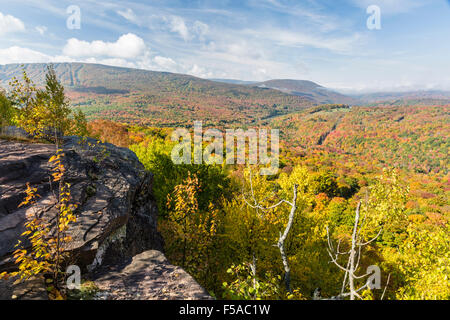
<point x="387" y="283"/>
<point x="372" y="240"/>
<point x="354" y="258"/>
<point x="283" y="236"/>
<point x="282" y="239"/>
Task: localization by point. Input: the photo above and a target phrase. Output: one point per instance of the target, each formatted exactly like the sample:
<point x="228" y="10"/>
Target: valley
<point x="390" y="158"/>
<point x="224" y="152"/>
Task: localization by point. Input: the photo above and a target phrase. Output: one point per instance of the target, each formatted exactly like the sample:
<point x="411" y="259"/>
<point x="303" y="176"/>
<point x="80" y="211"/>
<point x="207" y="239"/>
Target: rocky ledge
<point x="147" y="276"/>
<point x="116" y="216"/>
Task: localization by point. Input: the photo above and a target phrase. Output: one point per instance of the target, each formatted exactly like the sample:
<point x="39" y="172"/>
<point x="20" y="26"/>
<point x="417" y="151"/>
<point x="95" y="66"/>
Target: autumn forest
<point x="362" y="188"/>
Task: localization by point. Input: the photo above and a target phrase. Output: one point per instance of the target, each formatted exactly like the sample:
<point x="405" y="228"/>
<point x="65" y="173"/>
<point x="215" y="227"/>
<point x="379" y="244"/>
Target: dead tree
<point x="284" y="235"/>
<point x="354" y="258"/>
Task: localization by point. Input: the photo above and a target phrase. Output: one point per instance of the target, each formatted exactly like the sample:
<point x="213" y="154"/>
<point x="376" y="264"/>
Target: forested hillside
<point x="307" y="89"/>
<point x="160" y="98"/>
<point x="393" y="160"/>
<point x="431" y="97"/>
<point x="359" y="189"/>
<point x="414" y="138"/>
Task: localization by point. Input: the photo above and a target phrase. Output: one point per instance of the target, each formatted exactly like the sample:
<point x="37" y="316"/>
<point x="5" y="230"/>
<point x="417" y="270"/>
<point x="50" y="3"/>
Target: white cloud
<point x="21" y="55"/>
<point x="128" y="51"/>
<point x="128" y="46"/>
<point x="165" y="63"/>
<point x="200" y="72"/>
<point x="399" y="85"/>
<point x="129" y="15"/>
<point x="187" y="31"/>
<point x="243" y="49"/>
<point x="9" y="24"/>
<point x="24" y="55"/>
<point x="41" y="29"/>
<point x="302" y="11"/>
<point x="178" y="25"/>
<point x="343" y="44"/>
<point x="201" y="29"/>
<point x="117" y="62"/>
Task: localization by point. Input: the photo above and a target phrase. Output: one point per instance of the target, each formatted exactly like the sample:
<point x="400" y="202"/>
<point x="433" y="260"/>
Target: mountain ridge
<point x="424" y="96"/>
<point x="307" y="88"/>
<point x="164" y="98"/>
<point x="152" y="97"/>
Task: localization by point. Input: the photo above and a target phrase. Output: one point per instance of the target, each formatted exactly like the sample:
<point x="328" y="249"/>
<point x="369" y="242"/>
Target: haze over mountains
<point x="302" y="88"/>
<point x="420" y="97"/>
<point x="91" y="77"/>
<point x="307" y="89"/>
<point x="150" y="97"/>
<point x="141" y="96"/>
<point x="328" y="96"/>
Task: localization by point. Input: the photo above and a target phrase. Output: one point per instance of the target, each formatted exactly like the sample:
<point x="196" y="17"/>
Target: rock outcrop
<point x="116" y="213"/>
<point x="147" y="276"/>
<point x="109" y="185"/>
<point x="33" y="289"/>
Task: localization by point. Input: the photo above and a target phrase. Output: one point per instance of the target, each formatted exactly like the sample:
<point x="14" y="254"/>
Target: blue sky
<point x="326" y="41"/>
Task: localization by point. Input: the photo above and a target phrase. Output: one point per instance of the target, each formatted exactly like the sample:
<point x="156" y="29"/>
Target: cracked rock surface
<point x="109" y="184"/>
<point x="115" y="237"/>
<point x="33" y="289"/>
<point x="147" y="276"/>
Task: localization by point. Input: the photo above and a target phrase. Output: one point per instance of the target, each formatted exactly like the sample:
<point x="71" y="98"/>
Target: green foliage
<point x="243" y="232"/>
<point x="87" y="291"/>
<point x="24" y="96"/>
<point x="425" y="263"/>
<point x="55" y="106"/>
<point x="325" y="183"/>
<point x="48" y="242"/>
<point x="251" y="232"/>
<point x="337" y="155"/>
<point x="386" y="208"/>
<point x="79" y="126"/>
<point x="154" y="153"/>
<point x="248" y="286"/>
<point x="45" y="113"/>
<point x="189" y="231"/>
<point x="7" y="112"/>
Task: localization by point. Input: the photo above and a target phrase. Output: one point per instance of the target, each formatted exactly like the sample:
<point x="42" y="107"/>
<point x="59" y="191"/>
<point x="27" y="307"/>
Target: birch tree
<point x="349" y="284"/>
<point x="283" y="235"/>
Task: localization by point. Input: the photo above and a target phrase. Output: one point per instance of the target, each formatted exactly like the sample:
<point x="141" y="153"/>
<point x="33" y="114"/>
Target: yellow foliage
<point x="47" y="247"/>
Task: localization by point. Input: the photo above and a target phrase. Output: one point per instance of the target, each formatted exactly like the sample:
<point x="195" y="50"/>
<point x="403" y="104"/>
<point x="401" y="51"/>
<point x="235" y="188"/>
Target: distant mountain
<point x="160" y="98"/>
<point x="411" y="97"/>
<point x="163" y="98"/>
<point x="233" y="81"/>
<point x="306" y="89"/>
<point x="85" y="75"/>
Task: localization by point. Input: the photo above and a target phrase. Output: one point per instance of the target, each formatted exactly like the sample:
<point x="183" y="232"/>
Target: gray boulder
<point x="115" y="238"/>
<point x="147" y="276"/>
<point x="116" y="214"/>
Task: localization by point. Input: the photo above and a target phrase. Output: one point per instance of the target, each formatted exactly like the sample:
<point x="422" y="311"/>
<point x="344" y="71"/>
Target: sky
<point x="340" y="44"/>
